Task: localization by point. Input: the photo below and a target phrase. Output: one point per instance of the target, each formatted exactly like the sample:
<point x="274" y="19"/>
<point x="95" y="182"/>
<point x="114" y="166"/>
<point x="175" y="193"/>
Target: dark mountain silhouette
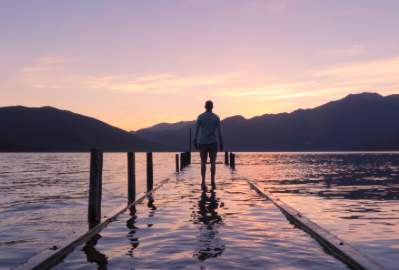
<point x="335" y="126"/>
<point x="172" y="138"/>
<point x="386" y="144"/>
<point x="166" y="126"/>
<point x="49" y="129"/>
<point x="10" y="146"/>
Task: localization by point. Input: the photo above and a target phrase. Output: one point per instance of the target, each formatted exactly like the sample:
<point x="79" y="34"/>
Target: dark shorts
<point x="212" y="149"/>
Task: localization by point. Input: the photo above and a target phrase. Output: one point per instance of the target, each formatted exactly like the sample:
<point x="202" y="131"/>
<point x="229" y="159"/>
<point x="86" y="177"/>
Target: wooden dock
<point x="182" y="225"/>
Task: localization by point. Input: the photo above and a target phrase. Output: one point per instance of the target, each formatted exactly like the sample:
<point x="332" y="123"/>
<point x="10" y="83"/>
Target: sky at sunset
<point x="135" y="63"/>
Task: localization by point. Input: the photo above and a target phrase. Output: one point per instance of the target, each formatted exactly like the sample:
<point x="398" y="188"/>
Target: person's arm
<point x="219" y="127"/>
<point x="197" y="128"/>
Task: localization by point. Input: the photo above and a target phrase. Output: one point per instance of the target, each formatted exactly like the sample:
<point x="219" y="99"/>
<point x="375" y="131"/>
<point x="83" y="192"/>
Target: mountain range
<point x="360" y="122"/>
<point x="347" y="124"/>
<point x="385" y="144"/>
<point x="48" y="129"/>
<point x="166" y="126"/>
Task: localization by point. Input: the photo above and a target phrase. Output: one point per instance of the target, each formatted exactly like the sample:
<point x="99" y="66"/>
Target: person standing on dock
<point x="208" y="122"/>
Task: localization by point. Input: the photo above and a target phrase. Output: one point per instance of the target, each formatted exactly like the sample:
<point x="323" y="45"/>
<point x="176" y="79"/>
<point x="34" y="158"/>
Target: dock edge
<point x="338" y="247"/>
<point x="49" y="257"/>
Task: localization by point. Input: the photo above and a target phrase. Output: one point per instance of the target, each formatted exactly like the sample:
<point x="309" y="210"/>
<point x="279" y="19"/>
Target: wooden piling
<point x="181" y="162"/>
<point x="226" y="158"/>
<point x="150" y="176"/>
<point x="231" y="160"/>
<point x="131" y="177"/>
<point x="95" y="189"/>
<point x="50" y="256"/>
<point x="177" y="162"/>
<point x="234" y="161"/>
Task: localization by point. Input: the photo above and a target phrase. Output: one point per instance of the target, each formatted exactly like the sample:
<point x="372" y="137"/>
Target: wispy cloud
<point x="353" y="50"/>
<point x="380" y="76"/>
<point x="168" y="83"/>
<point x="272" y="6"/>
<point x="375" y="68"/>
<point x="49" y="73"/>
<point x="329" y="81"/>
<point x="268" y="90"/>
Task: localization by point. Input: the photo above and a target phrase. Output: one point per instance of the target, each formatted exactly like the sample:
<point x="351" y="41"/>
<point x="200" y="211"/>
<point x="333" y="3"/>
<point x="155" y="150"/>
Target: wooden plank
<point x="53" y="256"/>
<point x="338" y="247"/>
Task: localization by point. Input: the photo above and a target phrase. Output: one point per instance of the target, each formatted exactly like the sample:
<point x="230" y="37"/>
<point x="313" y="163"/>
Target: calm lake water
<point x="228" y="226"/>
<point x="43" y="197"/>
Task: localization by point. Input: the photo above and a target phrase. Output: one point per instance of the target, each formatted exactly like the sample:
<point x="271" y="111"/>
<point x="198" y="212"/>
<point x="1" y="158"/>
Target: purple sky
<point x="136" y="63"/>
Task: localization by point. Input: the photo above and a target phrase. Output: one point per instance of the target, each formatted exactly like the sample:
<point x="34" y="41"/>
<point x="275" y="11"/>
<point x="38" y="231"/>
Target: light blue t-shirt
<point x="208" y="122"/>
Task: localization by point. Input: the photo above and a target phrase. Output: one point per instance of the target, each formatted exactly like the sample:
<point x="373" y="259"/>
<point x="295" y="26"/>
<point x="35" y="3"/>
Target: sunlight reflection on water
<point x="43" y="197"/>
<point x="185" y="227"/>
<point x="354" y="196"/>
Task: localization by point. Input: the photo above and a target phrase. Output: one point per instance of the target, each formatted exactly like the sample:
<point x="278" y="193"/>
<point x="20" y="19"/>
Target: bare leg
<point x="203" y="171"/>
<point x="213" y="171"/>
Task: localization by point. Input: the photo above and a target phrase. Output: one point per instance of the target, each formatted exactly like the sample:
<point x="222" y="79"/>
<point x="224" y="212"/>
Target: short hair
<point x="209" y="105"/>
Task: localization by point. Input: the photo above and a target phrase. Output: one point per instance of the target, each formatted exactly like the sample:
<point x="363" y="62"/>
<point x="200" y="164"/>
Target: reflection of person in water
<point x="209" y="220"/>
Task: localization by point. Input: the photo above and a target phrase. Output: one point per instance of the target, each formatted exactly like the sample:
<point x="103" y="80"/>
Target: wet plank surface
<point x="189" y="227"/>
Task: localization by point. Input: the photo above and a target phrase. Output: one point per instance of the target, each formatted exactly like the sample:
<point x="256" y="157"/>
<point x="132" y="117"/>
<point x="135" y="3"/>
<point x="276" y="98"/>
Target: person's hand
<point x="221" y="148"/>
<point x="196" y="146"/>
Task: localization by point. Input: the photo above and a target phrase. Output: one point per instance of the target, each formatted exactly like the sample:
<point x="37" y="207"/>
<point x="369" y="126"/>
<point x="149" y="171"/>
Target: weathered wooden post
<point x="181" y="162"/>
<point x="185" y="159"/>
<point x="226" y="158"/>
<point x="177" y="162"/>
<point x="234" y="162"/>
<point x="131" y="177"/>
<point x="231" y="160"/>
<point x="95" y="189"/>
<point x="150" y="176"/>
